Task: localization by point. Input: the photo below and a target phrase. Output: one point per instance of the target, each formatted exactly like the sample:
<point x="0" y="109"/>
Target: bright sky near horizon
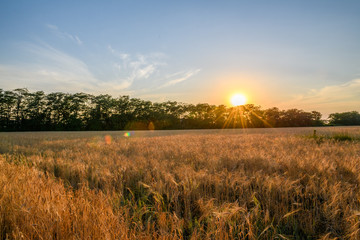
<point x="288" y="54"/>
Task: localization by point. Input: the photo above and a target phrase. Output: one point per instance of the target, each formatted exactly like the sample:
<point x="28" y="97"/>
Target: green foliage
<point x="345" y="118"/>
<point x="337" y="136"/>
<point x="343" y="137"/>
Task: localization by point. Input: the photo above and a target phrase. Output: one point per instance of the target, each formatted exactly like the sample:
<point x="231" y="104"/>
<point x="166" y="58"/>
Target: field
<point x="203" y="184"/>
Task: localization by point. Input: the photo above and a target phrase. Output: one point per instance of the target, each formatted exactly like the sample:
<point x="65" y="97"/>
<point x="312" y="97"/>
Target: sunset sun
<point x="237" y="100"/>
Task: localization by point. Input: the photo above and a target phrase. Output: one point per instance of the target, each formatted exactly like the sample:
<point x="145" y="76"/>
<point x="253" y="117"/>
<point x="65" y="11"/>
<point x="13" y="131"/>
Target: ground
<point x="288" y="183"/>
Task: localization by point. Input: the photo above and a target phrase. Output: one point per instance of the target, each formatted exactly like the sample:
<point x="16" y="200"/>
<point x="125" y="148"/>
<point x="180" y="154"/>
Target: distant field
<point x="283" y="183"/>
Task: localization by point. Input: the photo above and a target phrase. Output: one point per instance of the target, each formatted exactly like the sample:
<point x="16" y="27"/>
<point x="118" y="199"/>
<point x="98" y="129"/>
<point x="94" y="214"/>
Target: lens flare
<point x="108" y="139"/>
<point x="127" y="134"/>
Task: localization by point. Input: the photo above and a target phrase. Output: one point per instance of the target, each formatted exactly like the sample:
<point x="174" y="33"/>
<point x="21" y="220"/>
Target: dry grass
<point x="235" y="184"/>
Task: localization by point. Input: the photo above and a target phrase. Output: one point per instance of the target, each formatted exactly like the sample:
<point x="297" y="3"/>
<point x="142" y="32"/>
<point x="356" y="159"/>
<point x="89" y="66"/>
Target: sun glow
<point x="238" y="100"/>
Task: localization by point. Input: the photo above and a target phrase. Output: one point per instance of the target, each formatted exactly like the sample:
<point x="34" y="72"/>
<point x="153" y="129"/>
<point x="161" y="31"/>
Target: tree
<point x="272" y="117"/>
<point x="24" y="110"/>
<point x="100" y="114"/>
<point x="254" y="116"/>
<point x="8" y="103"/>
<point x="345" y="118"/>
<point x="35" y="111"/>
<point x="21" y="95"/>
<point x="316" y="118"/>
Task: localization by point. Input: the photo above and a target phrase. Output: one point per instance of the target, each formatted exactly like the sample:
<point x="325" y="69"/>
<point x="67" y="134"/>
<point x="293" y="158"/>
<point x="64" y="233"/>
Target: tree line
<point x="21" y="110"/>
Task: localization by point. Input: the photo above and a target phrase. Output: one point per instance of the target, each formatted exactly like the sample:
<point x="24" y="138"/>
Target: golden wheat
<point x="215" y="184"/>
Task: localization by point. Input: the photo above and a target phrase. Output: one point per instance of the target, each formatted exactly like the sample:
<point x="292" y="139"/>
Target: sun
<point x="237" y="100"/>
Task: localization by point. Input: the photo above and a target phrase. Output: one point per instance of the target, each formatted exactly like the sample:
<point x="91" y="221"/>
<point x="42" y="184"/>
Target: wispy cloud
<point x="51" y="69"/>
<point x="122" y="56"/>
<point x="131" y="68"/>
<point x="63" y="34"/>
<point x="43" y="79"/>
<point x="141" y="67"/>
<point x="334" y="98"/>
<point x="180" y="77"/>
<point x="55" y="58"/>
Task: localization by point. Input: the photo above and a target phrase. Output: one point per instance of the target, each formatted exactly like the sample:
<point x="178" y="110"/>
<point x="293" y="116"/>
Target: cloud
<point x="52" y="27"/>
<point x="131" y="68"/>
<point x="44" y="79"/>
<point x="50" y="69"/>
<point x="334" y="98"/>
<point x="52" y="57"/>
<point x="140" y="68"/>
<point x="64" y="35"/>
<point x="54" y="70"/>
<point x="122" y="56"/>
<point x="180" y="77"/>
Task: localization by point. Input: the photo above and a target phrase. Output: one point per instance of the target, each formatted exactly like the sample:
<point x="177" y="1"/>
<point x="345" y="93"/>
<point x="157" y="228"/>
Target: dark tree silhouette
<point x="21" y="110"/>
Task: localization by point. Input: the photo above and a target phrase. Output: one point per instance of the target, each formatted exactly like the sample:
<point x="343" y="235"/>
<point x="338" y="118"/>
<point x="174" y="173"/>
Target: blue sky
<point x="302" y="54"/>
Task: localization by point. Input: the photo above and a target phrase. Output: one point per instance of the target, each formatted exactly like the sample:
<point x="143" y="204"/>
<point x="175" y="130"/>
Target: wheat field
<point x="286" y="183"/>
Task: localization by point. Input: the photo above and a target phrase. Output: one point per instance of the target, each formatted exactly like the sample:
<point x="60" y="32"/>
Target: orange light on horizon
<point x="238" y="99"/>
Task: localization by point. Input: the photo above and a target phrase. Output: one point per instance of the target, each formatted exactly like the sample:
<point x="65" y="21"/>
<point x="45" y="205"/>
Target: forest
<point x="22" y="110"/>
